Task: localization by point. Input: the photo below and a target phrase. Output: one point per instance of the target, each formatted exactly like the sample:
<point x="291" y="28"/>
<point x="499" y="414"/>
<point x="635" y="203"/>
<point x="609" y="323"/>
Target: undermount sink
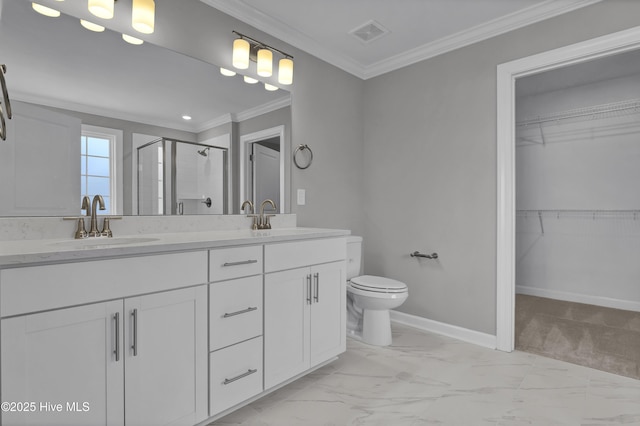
<point x="102" y="242"/>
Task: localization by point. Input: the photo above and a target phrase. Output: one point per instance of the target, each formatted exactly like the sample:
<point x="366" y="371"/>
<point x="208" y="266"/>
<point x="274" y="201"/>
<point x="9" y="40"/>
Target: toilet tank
<point x="354" y="256"/>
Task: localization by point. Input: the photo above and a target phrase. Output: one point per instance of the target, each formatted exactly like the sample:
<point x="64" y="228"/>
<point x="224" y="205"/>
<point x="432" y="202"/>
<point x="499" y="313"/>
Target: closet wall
<point x="577" y="193"/>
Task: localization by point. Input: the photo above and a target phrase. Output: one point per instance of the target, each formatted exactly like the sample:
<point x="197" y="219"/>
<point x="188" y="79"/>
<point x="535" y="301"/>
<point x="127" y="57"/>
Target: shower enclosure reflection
<point x="178" y="177"/>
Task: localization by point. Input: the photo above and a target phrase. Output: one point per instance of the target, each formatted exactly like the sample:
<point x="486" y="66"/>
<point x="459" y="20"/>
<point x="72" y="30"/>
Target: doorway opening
<point x="262" y="167"/>
<point x="507" y="74"/>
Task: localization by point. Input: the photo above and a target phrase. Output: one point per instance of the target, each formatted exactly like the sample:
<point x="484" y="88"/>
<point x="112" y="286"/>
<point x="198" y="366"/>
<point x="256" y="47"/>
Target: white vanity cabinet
<point x="304" y="302"/>
<point x="134" y="360"/>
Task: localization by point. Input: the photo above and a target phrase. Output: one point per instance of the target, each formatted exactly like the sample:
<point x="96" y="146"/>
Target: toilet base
<point x="376" y="327"/>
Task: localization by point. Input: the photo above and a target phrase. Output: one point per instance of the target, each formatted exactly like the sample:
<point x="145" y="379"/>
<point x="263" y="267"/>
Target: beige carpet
<point x="601" y="338"/>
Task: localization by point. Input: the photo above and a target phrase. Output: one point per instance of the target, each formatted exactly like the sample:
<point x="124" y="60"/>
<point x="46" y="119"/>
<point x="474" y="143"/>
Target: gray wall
<point x="430" y="166"/>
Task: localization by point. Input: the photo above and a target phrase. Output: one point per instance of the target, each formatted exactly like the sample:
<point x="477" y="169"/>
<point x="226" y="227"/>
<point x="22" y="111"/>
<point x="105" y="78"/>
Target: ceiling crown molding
<point x="284" y="32"/>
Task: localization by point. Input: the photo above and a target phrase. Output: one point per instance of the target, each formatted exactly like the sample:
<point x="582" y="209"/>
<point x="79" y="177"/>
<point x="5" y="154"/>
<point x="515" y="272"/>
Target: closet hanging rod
<point x="596" y="111"/>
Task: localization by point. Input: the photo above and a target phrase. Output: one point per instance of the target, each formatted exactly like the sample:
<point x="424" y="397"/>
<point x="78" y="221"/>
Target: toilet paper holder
<point x="428" y="256"/>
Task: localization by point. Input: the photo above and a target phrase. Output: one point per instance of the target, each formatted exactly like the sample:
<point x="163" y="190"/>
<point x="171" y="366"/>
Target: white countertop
<point x="38" y="252"/>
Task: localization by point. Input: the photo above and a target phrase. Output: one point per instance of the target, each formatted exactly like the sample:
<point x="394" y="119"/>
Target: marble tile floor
<point x="429" y="379"/>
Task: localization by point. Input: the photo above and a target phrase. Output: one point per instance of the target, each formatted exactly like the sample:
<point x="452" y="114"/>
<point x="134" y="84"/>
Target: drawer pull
<point x="134" y="346"/>
<point x="116" y="351"/>
<point x="243" y="375"/>
<point x="242" y="262"/>
<point x="244" y="311"/>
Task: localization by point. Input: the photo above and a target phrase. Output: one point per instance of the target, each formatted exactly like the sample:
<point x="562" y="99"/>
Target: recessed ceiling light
<point x="44" y="10"/>
<point x="227" y="72"/>
<point x="186" y="117"/>
<point x="91" y="26"/>
<point x="132" y="40"/>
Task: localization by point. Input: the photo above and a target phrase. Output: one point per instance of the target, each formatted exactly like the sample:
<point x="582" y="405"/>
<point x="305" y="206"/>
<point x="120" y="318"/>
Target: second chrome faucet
<point x="259" y="221"/>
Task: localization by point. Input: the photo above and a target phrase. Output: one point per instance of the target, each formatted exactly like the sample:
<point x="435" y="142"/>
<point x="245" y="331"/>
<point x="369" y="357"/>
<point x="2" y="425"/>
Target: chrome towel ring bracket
<point x="427" y="256"/>
<point x="302" y="156"/>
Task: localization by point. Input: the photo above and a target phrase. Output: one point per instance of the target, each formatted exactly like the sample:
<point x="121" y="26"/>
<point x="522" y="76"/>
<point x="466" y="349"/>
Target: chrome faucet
<point x="263" y="222"/>
<point x="93" y="232"/>
<point x="254" y="224"/>
<point x="81" y="232"/>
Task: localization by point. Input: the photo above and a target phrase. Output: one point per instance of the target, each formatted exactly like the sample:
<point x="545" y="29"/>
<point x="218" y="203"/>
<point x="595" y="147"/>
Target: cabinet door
<point x="64" y="362"/>
<point x="328" y="311"/>
<point x="166" y="358"/>
<point x="287" y="300"/>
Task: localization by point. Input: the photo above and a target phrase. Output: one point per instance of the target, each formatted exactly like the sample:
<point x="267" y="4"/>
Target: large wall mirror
<point x="94" y="114"/>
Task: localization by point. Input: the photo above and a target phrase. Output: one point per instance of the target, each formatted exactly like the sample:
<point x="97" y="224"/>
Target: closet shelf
<point x="615" y="109"/>
<point x="593" y="214"/>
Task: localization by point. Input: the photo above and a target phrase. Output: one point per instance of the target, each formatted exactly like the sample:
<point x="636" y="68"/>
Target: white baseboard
<point x="464" y="334"/>
<point x="607" y="302"/>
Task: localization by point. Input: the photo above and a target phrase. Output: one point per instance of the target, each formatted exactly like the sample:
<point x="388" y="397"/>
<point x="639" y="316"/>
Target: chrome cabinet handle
<point x="316" y="278"/>
<point x="243" y="375"/>
<point x="242" y="262"/>
<point x="134" y="346"/>
<point x="244" y="311"/>
<point x="308" y="289"/>
<point x="116" y="351"/>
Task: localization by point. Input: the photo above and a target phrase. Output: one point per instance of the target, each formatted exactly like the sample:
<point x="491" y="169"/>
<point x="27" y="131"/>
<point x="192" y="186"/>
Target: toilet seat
<point x="374" y="284"/>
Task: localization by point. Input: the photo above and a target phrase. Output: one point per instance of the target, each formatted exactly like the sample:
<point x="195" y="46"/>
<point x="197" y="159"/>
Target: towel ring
<point x="305" y="160"/>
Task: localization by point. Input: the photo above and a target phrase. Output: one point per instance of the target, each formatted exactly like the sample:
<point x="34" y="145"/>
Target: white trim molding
<point x="608" y="302"/>
<point x="460" y="333"/>
<point x="507" y="74"/>
<point x="285" y="32"/>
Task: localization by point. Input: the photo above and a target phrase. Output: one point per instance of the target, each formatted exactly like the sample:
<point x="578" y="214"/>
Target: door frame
<point x="507" y="73"/>
<point x="245" y="141"/>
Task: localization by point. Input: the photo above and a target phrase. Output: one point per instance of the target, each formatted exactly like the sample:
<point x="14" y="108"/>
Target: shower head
<point x="203" y="152"/>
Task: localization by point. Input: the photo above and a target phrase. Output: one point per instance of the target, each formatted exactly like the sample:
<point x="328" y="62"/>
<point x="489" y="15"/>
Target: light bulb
<point x="285" y="71"/>
<point x="265" y="63"/>
<point x="241" y="54"/>
<point x="143" y="16"/>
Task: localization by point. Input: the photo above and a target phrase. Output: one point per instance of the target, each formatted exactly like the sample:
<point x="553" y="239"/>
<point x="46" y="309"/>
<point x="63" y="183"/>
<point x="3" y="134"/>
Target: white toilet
<point x="369" y="299"/>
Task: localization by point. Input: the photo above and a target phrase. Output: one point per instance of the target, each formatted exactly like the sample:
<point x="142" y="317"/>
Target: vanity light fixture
<point x="132" y="40"/>
<point x="226" y="72"/>
<point x="143" y="16"/>
<point x="91" y="26"/>
<point x="250" y="80"/>
<point x="102" y="8"/>
<point x="270" y="87"/>
<point x="246" y="49"/>
<point x="44" y="10"/>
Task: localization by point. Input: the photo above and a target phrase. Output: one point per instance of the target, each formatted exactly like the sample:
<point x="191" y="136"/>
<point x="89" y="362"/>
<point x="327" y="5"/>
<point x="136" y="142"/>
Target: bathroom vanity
<point x="165" y="329"/>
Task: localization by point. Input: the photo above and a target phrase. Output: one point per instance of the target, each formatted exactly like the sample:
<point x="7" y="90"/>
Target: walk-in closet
<point x="578" y="214"/>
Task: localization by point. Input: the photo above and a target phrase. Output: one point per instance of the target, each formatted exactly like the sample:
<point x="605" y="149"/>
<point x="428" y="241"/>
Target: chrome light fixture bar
<point x="246" y="49"/>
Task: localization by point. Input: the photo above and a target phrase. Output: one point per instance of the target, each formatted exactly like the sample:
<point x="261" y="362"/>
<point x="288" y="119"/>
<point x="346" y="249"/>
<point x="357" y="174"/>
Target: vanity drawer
<point x="234" y="262"/>
<point x="235" y="374"/>
<point x="281" y="256"/>
<point x="235" y="311"/>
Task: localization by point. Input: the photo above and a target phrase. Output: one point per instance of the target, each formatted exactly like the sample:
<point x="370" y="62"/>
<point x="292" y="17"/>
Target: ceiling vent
<point x="369" y="32"/>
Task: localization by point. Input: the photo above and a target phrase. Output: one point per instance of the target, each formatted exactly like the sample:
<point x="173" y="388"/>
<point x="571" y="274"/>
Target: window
<point x="99" y="171"/>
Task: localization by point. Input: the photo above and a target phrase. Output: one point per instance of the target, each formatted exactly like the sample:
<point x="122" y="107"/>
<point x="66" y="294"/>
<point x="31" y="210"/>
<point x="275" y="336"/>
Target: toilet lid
<point x="378" y="284"/>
